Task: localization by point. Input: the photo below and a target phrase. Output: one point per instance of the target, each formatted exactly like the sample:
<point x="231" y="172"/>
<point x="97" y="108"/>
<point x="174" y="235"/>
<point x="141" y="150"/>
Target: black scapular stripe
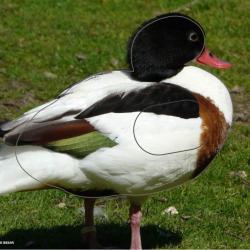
<point x="161" y="98"/>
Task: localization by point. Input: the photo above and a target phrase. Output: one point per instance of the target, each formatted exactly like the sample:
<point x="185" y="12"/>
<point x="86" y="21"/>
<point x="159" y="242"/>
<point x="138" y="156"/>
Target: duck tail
<point x="12" y="177"/>
<point x="31" y="167"/>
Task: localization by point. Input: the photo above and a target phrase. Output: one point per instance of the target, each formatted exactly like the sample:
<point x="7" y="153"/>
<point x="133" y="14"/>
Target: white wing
<point x="74" y="100"/>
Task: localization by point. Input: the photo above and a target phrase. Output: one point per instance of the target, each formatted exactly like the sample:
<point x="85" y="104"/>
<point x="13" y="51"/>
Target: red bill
<point x="209" y="59"/>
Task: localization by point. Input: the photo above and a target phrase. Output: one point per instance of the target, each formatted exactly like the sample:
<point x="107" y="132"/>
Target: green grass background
<point x="46" y="36"/>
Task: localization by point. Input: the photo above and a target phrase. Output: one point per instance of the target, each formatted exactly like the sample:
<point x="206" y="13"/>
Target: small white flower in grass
<point x="99" y="212"/>
<point x="49" y="75"/>
<point x="242" y="174"/>
<point x="171" y="211"/>
<point x="61" y="205"/>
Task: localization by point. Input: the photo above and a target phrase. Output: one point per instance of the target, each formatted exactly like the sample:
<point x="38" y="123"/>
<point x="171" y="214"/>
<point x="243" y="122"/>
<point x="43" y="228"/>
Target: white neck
<point x="207" y="85"/>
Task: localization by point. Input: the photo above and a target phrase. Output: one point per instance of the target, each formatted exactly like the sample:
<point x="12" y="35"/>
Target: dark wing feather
<point x="161" y="98"/>
<point x="46" y="132"/>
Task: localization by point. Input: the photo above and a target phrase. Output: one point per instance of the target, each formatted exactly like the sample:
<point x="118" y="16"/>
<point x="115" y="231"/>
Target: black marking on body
<point x="93" y="192"/>
<point x="175" y="100"/>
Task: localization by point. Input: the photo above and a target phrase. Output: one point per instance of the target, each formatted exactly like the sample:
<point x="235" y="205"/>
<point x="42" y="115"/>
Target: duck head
<point x="162" y="46"/>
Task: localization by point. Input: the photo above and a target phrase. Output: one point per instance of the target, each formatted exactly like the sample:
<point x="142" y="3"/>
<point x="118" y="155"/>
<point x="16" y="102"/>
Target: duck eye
<point x="193" y="37"/>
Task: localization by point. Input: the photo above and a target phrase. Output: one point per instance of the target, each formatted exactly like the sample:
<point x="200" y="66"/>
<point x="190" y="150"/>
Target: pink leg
<point x="135" y="220"/>
<point x="89" y="232"/>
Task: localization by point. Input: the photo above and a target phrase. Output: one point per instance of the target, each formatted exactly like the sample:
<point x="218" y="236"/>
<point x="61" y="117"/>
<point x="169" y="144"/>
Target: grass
<point x="46" y="36"/>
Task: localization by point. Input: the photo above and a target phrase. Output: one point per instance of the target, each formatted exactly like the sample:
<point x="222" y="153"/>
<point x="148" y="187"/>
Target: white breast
<point x="207" y="85"/>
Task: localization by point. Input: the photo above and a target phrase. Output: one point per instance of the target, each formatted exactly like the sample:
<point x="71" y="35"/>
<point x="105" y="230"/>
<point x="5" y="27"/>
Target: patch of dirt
<point x="241" y="104"/>
<point x="28" y="98"/>
<point x="10" y="106"/>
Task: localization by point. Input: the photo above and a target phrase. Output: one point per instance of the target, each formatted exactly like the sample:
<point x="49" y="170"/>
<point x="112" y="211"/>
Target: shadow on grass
<point x="109" y="235"/>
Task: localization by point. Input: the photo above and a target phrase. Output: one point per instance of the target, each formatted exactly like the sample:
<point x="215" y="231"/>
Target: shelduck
<point x="125" y="132"/>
